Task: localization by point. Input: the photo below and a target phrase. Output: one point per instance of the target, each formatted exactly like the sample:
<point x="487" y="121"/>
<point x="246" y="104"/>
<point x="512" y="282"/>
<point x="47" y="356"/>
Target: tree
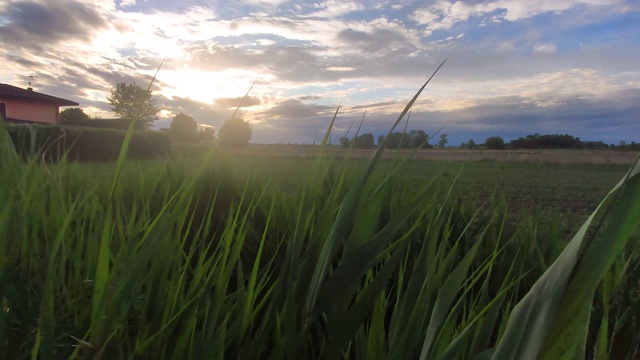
<point x="380" y="139"/>
<point x="443" y="141"/>
<point x="418" y="138"/>
<point x="471" y="144"/>
<point x="345" y="142"/>
<point x="494" y="143"/>
<point x="235" y="132"/>
<point x="206" y="135"/>
<point x="73" y="116"/>
<point x="184" y="127"/>
<point x="364" y="141"/>
<point x="133" y="103"/>
<point x="396" y="140"/>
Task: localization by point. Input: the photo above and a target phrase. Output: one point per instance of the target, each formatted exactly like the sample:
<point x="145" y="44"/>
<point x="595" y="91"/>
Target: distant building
<point x="27" y="106"/>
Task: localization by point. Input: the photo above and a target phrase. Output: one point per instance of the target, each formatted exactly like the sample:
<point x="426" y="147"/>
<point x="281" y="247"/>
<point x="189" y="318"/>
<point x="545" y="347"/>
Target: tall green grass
<point x="172" y="259"/>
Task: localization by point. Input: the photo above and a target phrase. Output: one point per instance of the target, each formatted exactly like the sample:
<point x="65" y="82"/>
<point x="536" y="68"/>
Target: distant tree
<point x="443" y="141"/>
<point x="73" y="115"/>
<point x="184" y="128"/>
<point x="235" y="132"/>
<point x="345" y="142"/>
<point x="133" y="103"/>
<point x="380" y="139"/>
<point x="417" y="138"/>
<point x="549" y="141"/>
<point x="364" y="141"/>
<point x="471" y="144"/>
<point x="463" y="145"/>
<point x="494" y="143"/>
<point x="207" y="134"/>
<point x="397" y="140"/>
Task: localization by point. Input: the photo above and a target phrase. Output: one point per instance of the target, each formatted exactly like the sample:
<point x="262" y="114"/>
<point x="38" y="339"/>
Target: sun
<point x="205" y="86"/>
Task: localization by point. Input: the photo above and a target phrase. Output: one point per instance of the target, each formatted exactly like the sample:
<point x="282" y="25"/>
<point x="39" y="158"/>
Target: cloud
<point x="232" y="103"/>
<point x="444" y="14"/>
<point x="545" y="48"/>
<point x="127" y="3"/>
<point x="30" y="24"/>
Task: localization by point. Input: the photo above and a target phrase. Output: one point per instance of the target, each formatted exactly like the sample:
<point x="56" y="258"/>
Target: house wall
<point x="31" y="111"/>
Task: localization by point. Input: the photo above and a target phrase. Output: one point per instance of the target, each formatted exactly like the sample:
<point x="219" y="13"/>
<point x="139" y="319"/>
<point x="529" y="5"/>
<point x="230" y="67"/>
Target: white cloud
<point x="545" y="48"/>
<point x="126" y="3"/>
<point x="445" y="14"/>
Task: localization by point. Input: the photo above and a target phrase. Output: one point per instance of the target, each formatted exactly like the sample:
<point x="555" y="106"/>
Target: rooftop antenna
<point x="31" y="77"/>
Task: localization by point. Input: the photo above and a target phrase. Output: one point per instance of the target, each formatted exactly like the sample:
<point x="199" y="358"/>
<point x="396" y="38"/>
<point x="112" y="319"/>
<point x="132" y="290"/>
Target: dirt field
<point x="525" y="156"/>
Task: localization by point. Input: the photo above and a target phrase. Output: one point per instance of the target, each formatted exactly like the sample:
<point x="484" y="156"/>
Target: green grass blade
<point x="554" y="312"/>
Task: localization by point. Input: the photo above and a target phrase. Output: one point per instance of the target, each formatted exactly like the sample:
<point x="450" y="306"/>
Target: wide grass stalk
<point x="551" y="321"/>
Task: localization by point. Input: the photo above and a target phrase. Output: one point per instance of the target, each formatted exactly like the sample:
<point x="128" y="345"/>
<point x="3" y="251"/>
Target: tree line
<point x="412" y="140"/>
<point x="134" y="104"/>
<point x="419" y="138"/>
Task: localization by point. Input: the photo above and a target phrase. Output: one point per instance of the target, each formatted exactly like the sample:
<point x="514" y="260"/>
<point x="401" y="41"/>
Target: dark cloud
<point x="376" y="41"/>
<point x="597" y="119"/>
<point x="36" y="25"/>
<point x="296" y="109"/>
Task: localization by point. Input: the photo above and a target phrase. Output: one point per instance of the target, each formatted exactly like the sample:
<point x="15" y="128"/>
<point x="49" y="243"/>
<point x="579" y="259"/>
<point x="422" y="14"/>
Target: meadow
<point x="225" y="255"/>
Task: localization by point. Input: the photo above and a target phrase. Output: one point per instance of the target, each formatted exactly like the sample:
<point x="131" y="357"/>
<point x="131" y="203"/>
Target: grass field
<point x="304" y="253"/>
<point x="233" y="255"/>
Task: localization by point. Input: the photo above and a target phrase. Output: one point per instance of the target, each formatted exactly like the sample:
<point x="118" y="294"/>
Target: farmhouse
<point x="25" y="105"/>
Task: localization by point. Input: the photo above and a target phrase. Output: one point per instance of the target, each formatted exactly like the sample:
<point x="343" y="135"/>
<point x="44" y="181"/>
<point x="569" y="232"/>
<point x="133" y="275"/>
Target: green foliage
<point x="134" y="103"/>
<point x="443" y="141"/>
<point x="184" y="128"/>
<point x="494" y="143"/>
<point x="411" y="140"/>
<point x="364" y="141"/>
<point x="418" y="138"/>
<point x="235" y="132"/>
<point x="206" y="258"/>
<point x="73" y="116"/>
<point x="206" y="135"/>
<point x="52" y="143"/>
<point x="552" y="141"/>
<point x="471" y="144"/>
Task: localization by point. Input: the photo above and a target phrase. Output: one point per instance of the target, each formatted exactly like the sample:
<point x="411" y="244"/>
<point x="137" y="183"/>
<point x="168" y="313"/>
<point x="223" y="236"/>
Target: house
<point x="27" y="106"/>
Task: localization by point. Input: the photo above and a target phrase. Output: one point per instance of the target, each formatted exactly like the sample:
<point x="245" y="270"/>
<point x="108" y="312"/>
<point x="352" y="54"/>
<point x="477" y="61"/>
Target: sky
<point x="515" y="67"/>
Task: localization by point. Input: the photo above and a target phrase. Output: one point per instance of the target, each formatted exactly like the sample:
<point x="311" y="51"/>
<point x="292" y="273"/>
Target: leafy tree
<point x="443" y="141"/>
<point x="364" y="141"/>
<point x="380" y="139"/>
<point x="134" y="103"/>
<point x="73" y="116"/>
<point x="397" y="140"/>
<point x="418" y="138"/>
<point x="184" y="128"/>
<point x="494" y="143"/>
<point x="207" y="134"/>
<point x="235" y="132"/>
<point x="471" y="144"/>
<point x="345" y="142"/>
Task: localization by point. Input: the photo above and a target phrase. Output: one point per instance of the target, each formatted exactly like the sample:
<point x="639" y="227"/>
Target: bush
<point x="494" y="143"/>
<point x="85" y="144"/>
<point x="235" y="132"/>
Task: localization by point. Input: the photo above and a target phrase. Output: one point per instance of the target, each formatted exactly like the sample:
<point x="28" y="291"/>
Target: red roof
<point x="14" y="92"/>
